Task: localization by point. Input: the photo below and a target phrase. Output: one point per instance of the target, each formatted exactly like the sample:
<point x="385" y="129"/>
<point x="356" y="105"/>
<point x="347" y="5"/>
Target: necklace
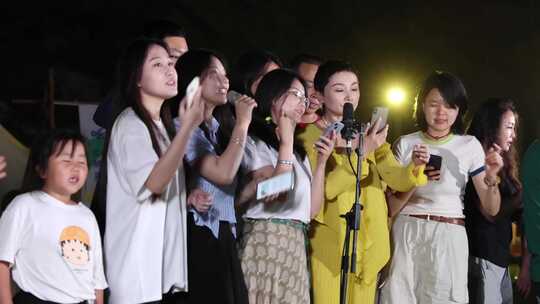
<point x="436" y="137"/>
<point x="325" y="122"/>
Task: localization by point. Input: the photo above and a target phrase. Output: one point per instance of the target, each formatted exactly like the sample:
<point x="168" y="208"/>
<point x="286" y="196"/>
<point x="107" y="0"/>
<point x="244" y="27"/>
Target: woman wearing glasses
<point x="273" y="247"/>
<point x="336" y="83"/>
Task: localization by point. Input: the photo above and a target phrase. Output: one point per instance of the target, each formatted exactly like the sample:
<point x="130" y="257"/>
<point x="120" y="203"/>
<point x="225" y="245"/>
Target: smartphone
<point x="435" y="161"/>
<point x="274" y="185"/>
<point x="191" y="89"/>
<point x="336" y="126"/>
<point x="382" y="113"/>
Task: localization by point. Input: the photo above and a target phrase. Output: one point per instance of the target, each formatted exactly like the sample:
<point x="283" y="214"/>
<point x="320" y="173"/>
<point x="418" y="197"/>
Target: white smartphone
<point x="191" y="89"/>
<point x="382" y="113"/>
<point x="336" y="126"/>
<point x="274" y="185"/>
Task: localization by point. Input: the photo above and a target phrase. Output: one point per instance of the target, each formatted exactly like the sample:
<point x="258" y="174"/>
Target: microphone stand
<point x="352" y="219"/>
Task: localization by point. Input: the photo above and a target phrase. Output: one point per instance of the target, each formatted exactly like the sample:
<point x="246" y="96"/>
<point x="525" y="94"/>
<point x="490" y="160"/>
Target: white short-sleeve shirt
<point x="145" y="236"/>
<point x="298" y="205"/>
<point x="462" y="157"/>
<point x="54" y="248"/>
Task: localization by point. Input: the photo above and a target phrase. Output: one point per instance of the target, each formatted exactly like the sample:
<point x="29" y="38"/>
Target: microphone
<point x="233" y="96"/>
<point x="349" y="124"/>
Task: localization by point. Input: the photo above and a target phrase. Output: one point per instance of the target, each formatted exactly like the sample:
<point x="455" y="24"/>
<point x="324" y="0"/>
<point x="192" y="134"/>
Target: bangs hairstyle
<point x="327" y="70"/>
<point x="196" y="63"/>
<point x="454" y="94"/>
<point x="249" y="67"/>
<point x="486" y="125"/>
<point x="272" y="87"/>
<point x="47" y="145"/>
<point x="129" y="74"/>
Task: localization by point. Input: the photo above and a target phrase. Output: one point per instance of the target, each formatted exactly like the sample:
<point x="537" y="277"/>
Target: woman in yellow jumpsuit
<point x="336" y="83"/>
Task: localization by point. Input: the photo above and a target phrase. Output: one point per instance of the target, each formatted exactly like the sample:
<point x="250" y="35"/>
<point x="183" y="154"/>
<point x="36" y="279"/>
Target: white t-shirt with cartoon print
<point x="462" y="158"/>
<point x="54" y="248"/>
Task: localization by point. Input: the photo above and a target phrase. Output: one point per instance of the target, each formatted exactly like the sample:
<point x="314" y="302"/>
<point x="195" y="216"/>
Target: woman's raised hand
<point x="420" y="155"/>
<point x="193" y="114"/>
<point x="324" y="146"/>
<point x="374" y="139"/>
<point x="244" y="108"/>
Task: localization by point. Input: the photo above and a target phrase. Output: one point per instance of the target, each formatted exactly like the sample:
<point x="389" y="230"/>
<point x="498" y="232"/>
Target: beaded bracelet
<point x="238" y="140"/>
<point x="285" y="162"/>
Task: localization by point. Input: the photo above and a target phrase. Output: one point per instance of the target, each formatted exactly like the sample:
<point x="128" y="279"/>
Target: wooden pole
<point x="50" y="98"/>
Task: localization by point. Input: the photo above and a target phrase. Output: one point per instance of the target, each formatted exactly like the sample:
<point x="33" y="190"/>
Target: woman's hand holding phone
<point x="433" y="167"/>
<point x="324" y="146"/>
<point x="192" y="114"/>
<point x="374" y="139"/>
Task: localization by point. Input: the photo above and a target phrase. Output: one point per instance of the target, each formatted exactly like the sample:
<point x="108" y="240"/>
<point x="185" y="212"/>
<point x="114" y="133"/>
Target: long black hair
<point x="129" y="72"/>
<point x="196" y="63"/>
<point x="273" y="85"/>
<point x="486" y="125"/>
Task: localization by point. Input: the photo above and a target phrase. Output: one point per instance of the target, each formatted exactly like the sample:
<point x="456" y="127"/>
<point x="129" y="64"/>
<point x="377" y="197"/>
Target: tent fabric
<point x="17" y="156"/>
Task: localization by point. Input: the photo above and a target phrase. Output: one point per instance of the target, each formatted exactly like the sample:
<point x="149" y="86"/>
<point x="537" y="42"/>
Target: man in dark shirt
<point x="306" y="66"/>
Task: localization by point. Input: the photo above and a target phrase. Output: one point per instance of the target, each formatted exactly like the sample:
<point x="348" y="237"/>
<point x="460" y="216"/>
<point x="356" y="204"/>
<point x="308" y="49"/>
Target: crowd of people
<point x="176" y="217"/>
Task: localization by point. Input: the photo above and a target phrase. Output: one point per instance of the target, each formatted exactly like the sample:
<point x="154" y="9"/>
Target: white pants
<point x="429" y="263"/>
<point x="490" y="283"/>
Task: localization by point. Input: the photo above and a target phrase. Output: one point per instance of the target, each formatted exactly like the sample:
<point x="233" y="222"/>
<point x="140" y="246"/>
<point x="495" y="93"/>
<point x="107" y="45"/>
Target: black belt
<point x="23" y="297"/>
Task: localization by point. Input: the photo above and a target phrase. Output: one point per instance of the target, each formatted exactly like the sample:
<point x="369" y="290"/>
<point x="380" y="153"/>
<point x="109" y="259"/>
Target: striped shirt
<point x="222" y="208"/>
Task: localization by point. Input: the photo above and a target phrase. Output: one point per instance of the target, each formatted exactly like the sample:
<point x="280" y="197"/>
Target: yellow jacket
<point x="380" y="168"/>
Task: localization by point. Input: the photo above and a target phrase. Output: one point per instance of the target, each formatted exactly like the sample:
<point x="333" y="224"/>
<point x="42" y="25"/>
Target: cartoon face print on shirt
<point x="75" y="245"/>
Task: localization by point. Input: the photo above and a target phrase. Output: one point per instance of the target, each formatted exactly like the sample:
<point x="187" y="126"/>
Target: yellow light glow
<point x="395" y="96"/>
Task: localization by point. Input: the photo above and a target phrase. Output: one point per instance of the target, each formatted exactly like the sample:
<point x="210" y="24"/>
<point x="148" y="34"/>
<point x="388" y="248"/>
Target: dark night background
<point x="491" y="45"/>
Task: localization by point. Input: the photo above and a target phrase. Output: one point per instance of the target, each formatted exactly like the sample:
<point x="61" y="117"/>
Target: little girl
<point x="51" y="243"/>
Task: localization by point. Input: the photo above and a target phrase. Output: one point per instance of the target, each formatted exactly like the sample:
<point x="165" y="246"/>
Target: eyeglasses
<point x="300" y="95"/>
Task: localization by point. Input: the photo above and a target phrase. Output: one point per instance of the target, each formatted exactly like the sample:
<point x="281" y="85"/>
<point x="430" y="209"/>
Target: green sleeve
<point x="530" y="176"/>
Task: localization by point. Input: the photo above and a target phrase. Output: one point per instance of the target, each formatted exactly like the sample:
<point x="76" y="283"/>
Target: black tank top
<point x="490" y="240"/>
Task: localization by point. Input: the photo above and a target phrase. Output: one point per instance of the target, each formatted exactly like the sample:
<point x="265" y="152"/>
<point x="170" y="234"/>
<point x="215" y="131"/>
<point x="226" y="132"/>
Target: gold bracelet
<point x="492" y="184"/>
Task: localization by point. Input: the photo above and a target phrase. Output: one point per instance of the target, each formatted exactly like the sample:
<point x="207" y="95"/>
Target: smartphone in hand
<point x="191" y="89"/>
<point x="335" y="126"/>
<point x="435" y="161"/>
<point x="382" y="113"/>
<point x="280" y="183"/>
